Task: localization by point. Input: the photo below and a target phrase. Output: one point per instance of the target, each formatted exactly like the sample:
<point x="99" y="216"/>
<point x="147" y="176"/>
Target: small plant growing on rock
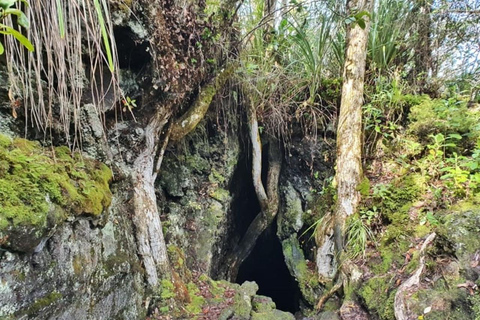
<point x="7" y="10"/>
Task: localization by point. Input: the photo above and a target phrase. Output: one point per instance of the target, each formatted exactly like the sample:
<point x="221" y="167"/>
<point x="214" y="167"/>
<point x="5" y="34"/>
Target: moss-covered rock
<point x="272" y="315"/>
<point x="40" y="188"/>
<point x="378" y="297"/>
<point x="297" y="265"/>
<point x="262" y="304"/>
<point x="290" y="219"/>
<point x="196" y="181"/>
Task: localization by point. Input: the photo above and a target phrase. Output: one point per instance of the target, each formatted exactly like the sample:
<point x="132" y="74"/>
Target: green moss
<point x="272" y="315"/>
<point x="197" y="163"/>
<point x="422" y="230"/>
<point x="297" y="265"/>
<point x="364" y="187"/>
<point x="378" y="297"/>
<point x="220" y="194"/>
<point x="177" y="259"/>
<point x="262" y="304"/>
<point x="35" y="182"/>
<point x="197" y="301"/>
<point x="167" y="289"/>
<point x="216" y="177"/>
<point x="392" y="247"/>
<point x="44" y="302"/>
<point x="433" y="116"/>
<point x="5" y="141"/>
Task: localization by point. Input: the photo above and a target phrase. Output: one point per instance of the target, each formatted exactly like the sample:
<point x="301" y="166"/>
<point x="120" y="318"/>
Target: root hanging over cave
<point x="268" y="196"/>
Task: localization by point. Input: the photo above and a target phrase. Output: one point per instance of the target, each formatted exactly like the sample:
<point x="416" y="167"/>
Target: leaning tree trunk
<point x="149" y="234"/>
<point x="349" y="145"/>
<point x="268" y="199"/>
<point x="349" y="130"/>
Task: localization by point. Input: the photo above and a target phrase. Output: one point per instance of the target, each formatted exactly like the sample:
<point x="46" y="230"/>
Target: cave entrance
<point x="266" y="266"/>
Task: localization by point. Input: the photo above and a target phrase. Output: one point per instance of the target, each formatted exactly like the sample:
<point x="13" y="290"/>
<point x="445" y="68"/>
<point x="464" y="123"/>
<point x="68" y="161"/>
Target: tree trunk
<point x="423" y="48"/>
<point x="349" y="147"/>
<point x="151" y="242"/>
<point x="349" y="130"/>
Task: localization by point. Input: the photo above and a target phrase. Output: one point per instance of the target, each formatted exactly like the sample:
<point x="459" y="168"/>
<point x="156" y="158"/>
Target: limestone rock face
<point x="81" y="271"/>
<point x="196" y="198"/>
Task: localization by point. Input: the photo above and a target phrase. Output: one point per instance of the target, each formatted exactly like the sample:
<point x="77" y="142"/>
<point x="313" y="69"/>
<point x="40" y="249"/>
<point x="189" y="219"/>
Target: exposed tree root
<point x="338" y="285"/>
<point x="268" y="199"/>
<point x="400" y="304"/>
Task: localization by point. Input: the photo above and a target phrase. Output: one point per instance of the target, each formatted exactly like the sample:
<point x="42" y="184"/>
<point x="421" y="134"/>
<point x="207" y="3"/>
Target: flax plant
<point x="388" y="34"/>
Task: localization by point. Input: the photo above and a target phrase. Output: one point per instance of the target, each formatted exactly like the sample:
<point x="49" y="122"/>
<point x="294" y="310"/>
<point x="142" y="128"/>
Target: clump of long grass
<point x="358" y="234"/>
<point x="74" y="49"/>
<point x="388" y="33"/>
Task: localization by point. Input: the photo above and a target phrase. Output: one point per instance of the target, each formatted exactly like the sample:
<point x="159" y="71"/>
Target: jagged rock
<point x="82" y="272"/>
<point x="262" y="304"/>
<point x="297" y="265"/>
<point x="290" y="219"/>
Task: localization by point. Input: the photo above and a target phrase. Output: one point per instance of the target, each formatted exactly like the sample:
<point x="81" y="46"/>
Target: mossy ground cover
<point x="194" y="295"/>
<point x="40" y="188"/>
<point x="422" y="170"/>
<point x="201" y="298"/>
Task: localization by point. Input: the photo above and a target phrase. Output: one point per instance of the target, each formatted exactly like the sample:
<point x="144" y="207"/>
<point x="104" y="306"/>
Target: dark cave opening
<point x="132" y="54"/>
<point x="266" y="266"/>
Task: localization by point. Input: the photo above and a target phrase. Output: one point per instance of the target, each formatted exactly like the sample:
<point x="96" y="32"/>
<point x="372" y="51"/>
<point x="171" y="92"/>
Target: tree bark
<point x="190" y="119"/>
<point x="149" y="234"/>
<point x="349" y="147"/>
<point x="349" y="131"/>
<point x="423" y="48"/>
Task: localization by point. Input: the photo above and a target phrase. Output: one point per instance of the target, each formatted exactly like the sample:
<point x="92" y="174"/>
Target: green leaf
<point x="455" y="136"/>
<point x="5" y="4"/>
<point x="20" y="37"/>
<point x="361" y="14"/>
<point x="106" y="41"/>
<point x="2" y="50"/>
<point x="21" y="17"/>
<point x="61" y="23"/>
<point x="23" y="21"/>
<point x="361" y="23"/>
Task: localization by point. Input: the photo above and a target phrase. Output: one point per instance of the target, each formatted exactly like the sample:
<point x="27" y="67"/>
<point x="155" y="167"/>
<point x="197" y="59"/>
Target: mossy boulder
<point x="272" y="315"/>
<point x="262" y="304"/>
<point x="40" y="188"/>
<point x="378" y="296"/>
<point x="297" y="265"/>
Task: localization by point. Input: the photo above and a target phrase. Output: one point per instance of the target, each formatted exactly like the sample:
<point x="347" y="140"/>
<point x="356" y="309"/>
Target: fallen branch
<point x="400" y="304"/>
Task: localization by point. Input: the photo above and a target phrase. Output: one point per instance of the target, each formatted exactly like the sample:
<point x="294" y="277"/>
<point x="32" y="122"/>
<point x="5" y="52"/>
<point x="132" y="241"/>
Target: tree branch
<point x="190" y="119"/>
